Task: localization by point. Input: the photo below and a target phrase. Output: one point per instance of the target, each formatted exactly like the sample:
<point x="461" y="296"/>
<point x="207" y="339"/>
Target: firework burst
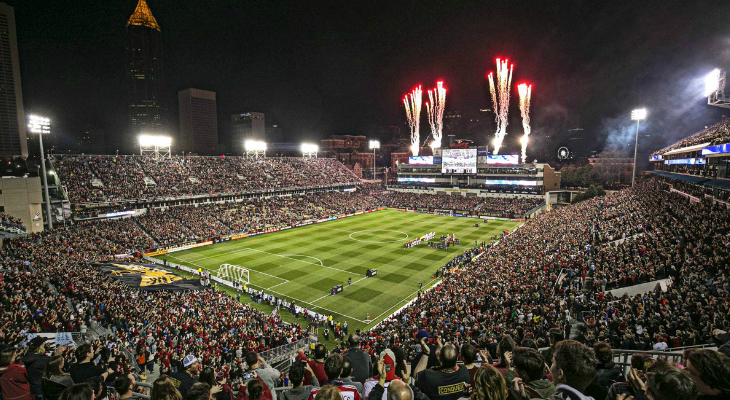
<point x="412" y="103"/>
<point x="525" y="92"/>
<point x="500" y="99"/>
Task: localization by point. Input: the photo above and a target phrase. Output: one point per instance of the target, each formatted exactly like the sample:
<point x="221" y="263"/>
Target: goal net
<point x="233" y="273"/>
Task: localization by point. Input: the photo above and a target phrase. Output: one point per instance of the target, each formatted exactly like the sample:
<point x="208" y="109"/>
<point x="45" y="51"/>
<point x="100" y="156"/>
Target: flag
<point x="147" y="276"/>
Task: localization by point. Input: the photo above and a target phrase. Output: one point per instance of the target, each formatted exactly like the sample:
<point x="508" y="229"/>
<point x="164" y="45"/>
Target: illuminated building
<point x="12" y="118"/>
<point x="144" y="74"/>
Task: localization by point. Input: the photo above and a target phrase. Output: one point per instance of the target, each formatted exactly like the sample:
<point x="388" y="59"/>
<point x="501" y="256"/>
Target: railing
<point x="287" y="351"/>
<point x="622" y="358"/>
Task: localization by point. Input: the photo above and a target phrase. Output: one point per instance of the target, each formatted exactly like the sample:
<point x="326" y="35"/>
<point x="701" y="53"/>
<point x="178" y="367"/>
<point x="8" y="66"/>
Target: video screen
<point x="420" y="160"/>
<point x="423" y="180"/>
<point x="459" y="161"/>
<point x="503" y="159"/>
<point x="686" y="161"/>
<point x="510" y="182"/>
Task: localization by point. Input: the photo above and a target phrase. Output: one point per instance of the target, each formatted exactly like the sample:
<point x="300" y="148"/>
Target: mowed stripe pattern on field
<point x="304" y="263"/>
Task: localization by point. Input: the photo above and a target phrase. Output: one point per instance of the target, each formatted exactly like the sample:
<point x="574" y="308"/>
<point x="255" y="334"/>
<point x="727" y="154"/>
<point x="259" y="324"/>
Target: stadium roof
<point x="696" y="147"/>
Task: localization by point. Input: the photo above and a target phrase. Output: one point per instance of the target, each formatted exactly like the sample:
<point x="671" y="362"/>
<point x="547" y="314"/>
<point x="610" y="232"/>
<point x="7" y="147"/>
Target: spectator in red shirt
<point x="13" y="377"/>
<point x="317" y="365"/>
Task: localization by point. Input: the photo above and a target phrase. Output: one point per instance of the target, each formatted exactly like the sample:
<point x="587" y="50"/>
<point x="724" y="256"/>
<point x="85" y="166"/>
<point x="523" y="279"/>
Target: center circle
<point x="384" y="235"/>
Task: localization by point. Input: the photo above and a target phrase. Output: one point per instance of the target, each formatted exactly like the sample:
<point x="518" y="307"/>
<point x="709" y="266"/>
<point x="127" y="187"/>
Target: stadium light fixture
<point x="255" y="145"/>
<point x="637" y="115"/>
<point x="154" y="140"/>
<point x="712" y="82"/>
<point x="155" y="145"/>
<point x="309" y="150"/>
<point x="374" y="144"/>
<point x="42" y="126"/>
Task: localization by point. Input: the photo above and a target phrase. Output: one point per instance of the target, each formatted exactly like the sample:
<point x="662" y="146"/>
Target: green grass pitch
<point x="303" y="264"/>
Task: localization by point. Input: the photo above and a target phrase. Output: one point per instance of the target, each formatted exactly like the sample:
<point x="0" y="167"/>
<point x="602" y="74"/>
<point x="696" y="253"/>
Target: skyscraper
<point x="144" y="75"/>
<point x="247" y="126"/>
<point x="198" y="121"/>
<point x="12" y="116"/>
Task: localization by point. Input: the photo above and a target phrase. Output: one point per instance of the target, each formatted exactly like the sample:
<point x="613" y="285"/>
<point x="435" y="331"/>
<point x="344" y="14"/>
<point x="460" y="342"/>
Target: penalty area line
<point x="284" y="295"/>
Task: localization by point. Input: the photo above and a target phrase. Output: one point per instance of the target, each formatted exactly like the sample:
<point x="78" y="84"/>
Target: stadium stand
<point x="137" y="177"/>
<point x="554" y="272"/>
<point x="715" y="134"/>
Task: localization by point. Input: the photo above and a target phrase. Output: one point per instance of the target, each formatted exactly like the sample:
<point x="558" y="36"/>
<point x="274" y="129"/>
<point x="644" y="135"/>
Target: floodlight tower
<point x="309" y="150"/>
<point x="374" y="144"/>
<point x="636" y="115"/>
<point x="715" y="89"/>
<point x="42" y="126"/>
<point x="155" y="146"/>
<point x="255" y="149"/>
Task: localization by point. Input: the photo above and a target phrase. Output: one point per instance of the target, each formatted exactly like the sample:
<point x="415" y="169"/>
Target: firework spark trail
<point x="435" y="108"/>
<point x="431" y="115"/>
<point x="413" y="113"/>
<point x="525" y="93"/>
<point x="501" y="93"/>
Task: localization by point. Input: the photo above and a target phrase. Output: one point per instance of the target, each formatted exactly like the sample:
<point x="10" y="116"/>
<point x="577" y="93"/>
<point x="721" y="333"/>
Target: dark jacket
<point x="606" y="376"/>
<point x="35" y="364"/>
<point x="542" y="387"/>
<point x="362" y="367"/>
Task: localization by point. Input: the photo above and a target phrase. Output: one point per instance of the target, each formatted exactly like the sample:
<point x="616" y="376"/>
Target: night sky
<point x="342" y="67"/>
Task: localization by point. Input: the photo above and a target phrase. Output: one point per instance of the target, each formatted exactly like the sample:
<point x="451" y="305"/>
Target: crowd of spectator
<point x="530" y="289"/>
<point x="617" y="240"/>
<point x="8" y="222"/>
<point x="715" y="134"/>
<point x="487" y="205"/>
<point x="137" y="177"/>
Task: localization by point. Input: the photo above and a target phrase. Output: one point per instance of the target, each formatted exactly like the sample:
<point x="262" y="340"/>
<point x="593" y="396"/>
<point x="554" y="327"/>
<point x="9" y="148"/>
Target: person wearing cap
<point x="387" y="375"/>
<point x="184" y="380"/>
<point x="85" y="369"/>
<point x="362" y="366"/>
<point x="35" y="361"/>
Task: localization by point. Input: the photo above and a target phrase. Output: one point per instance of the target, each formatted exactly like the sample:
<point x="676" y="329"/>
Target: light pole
<point x="374" y="144"/>
<point x="636" y="115"/>
<point x="42" y="126"/>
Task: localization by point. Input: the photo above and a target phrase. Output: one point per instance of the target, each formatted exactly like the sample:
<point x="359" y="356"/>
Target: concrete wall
<point x="22" y="198"/>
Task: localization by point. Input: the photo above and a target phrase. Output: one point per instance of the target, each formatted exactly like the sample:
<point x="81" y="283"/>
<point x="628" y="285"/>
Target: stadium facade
<point x="700" y="159"/>
<point x="473" y="172"/>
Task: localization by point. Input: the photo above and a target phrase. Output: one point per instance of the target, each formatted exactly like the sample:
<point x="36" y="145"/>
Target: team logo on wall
<point x="148" y="276"/>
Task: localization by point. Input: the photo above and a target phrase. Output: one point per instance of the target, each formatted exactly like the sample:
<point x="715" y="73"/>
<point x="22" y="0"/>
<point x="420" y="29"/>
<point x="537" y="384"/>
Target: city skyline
<point x="320" y="69"/>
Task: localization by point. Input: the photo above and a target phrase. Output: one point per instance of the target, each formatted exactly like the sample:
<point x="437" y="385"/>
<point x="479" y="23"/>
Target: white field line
<point x="285" y="295"/>
<point x="366" y="232"/>
<point x="242" y="249"/>
<point x="208" y="269"/>
<point x="314" y="301"/>
<point x="404" y="299"/>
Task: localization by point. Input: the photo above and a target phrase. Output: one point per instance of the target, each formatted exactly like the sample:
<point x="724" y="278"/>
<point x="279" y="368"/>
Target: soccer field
<point x="303" y="264"/>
